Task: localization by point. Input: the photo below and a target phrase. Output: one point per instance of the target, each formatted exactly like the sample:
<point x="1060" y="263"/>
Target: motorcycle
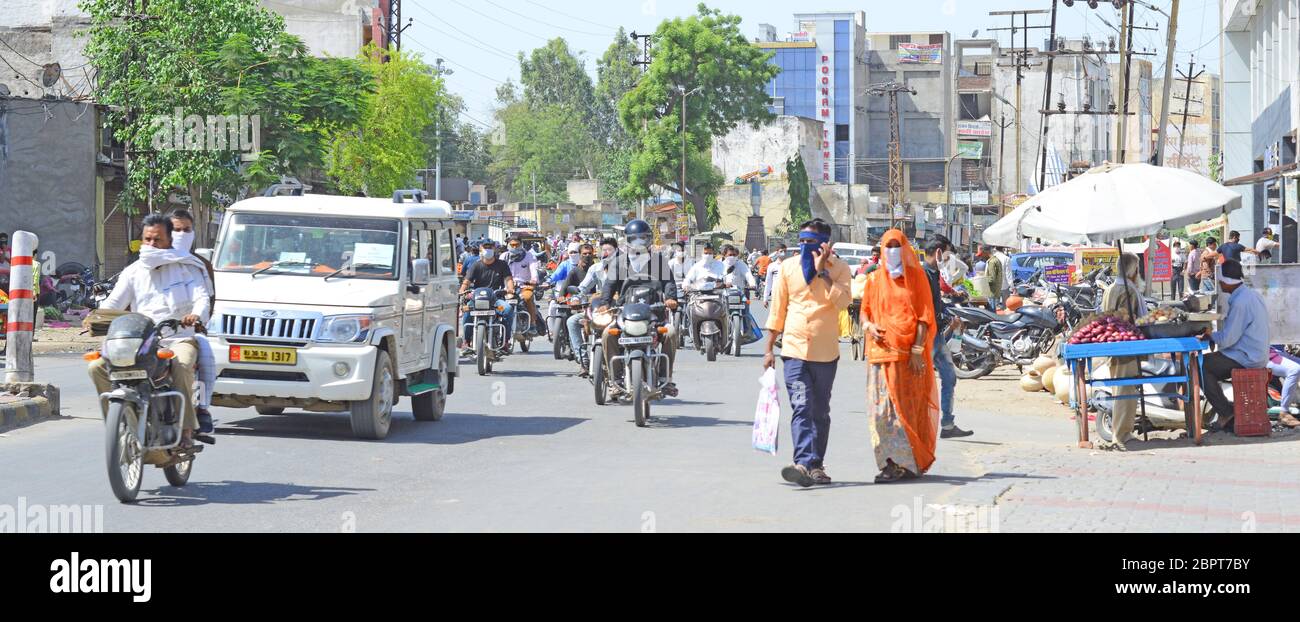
<point x="567" y="303"/>
<point x="710" y="319"/>
<point x="594" y="327"/>
<point x="737" y="305"/>
<point x="640" y="369"/>
<point x="75" y="285"/>
<point x="523" y="329"/>
<point x="989" y="340"/>
<point x="145" y="411"/>
<point x="487" y="311"/>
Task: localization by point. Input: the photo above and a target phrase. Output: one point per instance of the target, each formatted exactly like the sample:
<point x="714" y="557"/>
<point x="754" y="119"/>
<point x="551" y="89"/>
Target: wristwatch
<point x="825" y="274"/>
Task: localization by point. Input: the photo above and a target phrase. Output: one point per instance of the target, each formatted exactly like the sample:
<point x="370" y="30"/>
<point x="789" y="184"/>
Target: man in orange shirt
<point x="808" y="293"/>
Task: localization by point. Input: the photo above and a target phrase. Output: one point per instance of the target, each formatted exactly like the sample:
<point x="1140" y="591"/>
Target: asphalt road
<point x="523" y="450"/>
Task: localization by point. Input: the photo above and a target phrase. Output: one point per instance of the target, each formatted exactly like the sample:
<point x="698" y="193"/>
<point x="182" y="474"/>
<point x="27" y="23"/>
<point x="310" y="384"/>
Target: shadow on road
<point x="243" y="493"/>
<point x="454" y="429"/>
<point x="952" y="480"/>
<point x="670" y="421"/>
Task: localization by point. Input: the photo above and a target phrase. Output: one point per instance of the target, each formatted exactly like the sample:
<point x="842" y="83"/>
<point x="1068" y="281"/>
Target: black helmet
<point x="638" y="230"/>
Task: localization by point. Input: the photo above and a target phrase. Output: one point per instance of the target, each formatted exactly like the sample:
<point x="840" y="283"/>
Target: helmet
<point x="1014" y="303"/>
<point x="638" y="233"/>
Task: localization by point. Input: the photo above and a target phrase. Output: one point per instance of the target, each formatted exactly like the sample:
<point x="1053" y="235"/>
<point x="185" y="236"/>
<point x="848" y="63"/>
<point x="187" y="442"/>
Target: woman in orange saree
<point x="902" y="396"/>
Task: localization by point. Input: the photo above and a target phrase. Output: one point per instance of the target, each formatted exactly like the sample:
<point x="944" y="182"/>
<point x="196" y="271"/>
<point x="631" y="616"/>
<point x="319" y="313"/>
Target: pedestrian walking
<point x="1193" y="267"/>
<point x="902" y="401"/>
<point x="940" y="356"/>
<point x="1178" y="257"/>
<point x="809" y="292"/>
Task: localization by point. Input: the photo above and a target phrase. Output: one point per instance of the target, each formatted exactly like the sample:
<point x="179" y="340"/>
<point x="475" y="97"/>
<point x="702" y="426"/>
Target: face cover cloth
<point x="183" y="241"/>
<point x="894" y="261"/>
<point x="810" y="245"/>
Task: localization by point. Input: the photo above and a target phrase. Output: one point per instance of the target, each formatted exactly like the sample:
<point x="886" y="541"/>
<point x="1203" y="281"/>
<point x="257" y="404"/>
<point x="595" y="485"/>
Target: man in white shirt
<point x="164" y="284"/>
<point x="708" y="267"/>
<point x="1005" y="260"/>
<point x="1267" y="244"/>
<point x="678" y="261"/>
<point x="737" y="274"/>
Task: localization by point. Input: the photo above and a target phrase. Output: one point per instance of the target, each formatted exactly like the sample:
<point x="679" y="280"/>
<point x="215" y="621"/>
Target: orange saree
<point x="903" y="404"/>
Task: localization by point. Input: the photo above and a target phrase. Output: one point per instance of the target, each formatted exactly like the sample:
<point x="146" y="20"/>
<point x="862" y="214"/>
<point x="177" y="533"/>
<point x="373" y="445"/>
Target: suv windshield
<point x="316" y="246"/>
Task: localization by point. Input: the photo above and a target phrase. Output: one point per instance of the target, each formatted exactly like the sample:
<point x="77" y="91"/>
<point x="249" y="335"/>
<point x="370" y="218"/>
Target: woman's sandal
<point x="890" y="474"/>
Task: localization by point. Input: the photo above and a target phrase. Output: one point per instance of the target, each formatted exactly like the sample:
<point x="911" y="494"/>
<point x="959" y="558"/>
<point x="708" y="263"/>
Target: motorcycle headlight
<point x="345" y="328"/>
<point x="636" y="328"/>
<point x="121" y="352"/>
<point x="735" y="300"/>
<point x="482" y="304"/>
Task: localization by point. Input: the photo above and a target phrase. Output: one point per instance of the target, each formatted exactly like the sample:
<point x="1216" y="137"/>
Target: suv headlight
<point x="121" y="352"/>
<point x="345" y="328"/>
<point x="636" y="328"/>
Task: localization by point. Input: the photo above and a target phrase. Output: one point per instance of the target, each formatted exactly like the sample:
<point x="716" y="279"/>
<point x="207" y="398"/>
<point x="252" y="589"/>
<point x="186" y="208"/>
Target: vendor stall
<point x="1186" y="352"/>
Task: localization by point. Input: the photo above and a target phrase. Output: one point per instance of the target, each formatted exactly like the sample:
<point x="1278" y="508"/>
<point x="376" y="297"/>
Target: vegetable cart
<point x="1186" y="352"/>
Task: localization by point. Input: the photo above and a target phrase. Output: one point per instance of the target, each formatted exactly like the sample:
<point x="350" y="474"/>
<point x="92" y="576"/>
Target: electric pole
<point x="1020" y="60"/>
<point x="394" y="23"/>
<point x="439" y="125"/>
<point x="642" y="61"/>
<point x="1126" y="61"/>
<point x="1189" y="78"/>
<point x="896" y="194"/>
<point x="1170" y="45"/>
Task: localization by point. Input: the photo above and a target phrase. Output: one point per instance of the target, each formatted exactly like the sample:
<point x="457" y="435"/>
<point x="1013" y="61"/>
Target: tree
<point x="464" y="147"/>
<point x="208" y="59"/>
<point x="545" y="147"/>
<point x="384" y="151"/>
<point x="616" y="75"/>
<point x="553" y="76"/>
<point x="797" y="174"/>
<point x="708" y="52"/>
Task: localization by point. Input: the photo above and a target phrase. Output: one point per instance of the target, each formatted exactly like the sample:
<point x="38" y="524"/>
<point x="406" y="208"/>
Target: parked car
<point x="1025" y="265"/>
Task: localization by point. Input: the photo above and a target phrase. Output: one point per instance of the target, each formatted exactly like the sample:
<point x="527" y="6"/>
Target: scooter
<point x="709" y="319"/>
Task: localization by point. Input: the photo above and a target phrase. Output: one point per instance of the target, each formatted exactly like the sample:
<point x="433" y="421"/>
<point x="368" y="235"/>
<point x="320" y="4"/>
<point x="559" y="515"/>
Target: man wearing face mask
<point x="183" y="241"/>
<point x="708" y="267"/>
<point x="678" y="262"/>
<point x="638" y="265"/>
<point x="523" y="267"/>
<point x="164" y="284"/>
<point x="492" y="273"/>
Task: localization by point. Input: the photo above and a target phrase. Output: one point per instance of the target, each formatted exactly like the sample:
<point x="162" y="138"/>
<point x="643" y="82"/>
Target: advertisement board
<point x="1089" y="259"/>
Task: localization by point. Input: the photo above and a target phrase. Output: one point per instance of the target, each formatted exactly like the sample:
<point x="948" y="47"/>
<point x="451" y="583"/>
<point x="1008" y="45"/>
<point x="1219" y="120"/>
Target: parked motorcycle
<point x="487" y="311"/>
<point x="145" y="410"/>
<point x="1158" y="410"/>
<point x="75" y="284"/>
<point x="989" y="340"/>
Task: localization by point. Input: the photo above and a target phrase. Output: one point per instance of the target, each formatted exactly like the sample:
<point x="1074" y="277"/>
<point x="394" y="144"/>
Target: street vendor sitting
<point x="1124" y="297"/>
<point x="1242" y="339"/>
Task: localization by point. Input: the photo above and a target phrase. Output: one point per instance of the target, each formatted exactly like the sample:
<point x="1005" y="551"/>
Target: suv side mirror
<point x="205" y="253"/>
<point x="420" y="272"/>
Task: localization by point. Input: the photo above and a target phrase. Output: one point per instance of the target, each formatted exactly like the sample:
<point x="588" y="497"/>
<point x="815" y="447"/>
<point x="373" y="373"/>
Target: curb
<point x="42" y="406"/>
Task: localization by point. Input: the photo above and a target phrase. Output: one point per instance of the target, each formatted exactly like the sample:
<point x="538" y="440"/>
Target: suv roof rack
<point x="416" y="196"/>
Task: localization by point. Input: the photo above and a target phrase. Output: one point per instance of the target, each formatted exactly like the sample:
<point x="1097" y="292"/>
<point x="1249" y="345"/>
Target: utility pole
<point x="1020" y="60"/>
<point x="1045" y="124"/>
<point x="1189" y="78"/>
<point x="643" y="61"/>
<point x="394" y="23"/>
<point x="1126" y="61"/>
<point x="1170" y="45"/>
<point x="896" y="194"/>
<point x="439" y="127"/>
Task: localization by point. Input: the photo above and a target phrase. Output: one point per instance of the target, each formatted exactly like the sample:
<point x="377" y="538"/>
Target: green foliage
<point x="800" y="208"/>
<point x="616" y="75"/>
<point x="707" y="52"/>
<point x="546" y="147"/>
<point x="464" y="148"/>
<point x="1216" y="166"/>
<point x="554" y="76"/>
<point x="382" y="154"/>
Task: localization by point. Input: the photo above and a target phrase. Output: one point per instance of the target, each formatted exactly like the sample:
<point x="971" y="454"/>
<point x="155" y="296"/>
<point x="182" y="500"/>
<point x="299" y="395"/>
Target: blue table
<point x="1186" y="352"/>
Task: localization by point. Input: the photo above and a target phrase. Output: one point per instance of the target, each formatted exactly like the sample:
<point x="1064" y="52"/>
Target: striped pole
<point x="22" y="309"/>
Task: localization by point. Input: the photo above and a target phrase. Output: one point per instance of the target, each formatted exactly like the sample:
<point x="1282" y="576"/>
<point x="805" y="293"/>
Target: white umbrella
<point x="1113" y="202"/>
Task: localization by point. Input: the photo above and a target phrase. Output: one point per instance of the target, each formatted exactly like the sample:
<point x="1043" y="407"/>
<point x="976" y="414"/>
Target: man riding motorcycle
<point x="164" y="284"/>
<point x="593" y="280"/>
<point x="707" y="269"/>
<point x="638" y="265"/>
<point x="523" y="268"/>
<point x="488" y="272"/>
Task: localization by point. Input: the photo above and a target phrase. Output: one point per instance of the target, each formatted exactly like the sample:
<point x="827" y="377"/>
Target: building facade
<point x="1261" y="104"/>
<point x="1200" y="102"/>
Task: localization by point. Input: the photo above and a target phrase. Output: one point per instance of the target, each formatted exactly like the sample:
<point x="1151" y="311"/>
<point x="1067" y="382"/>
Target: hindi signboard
<point x="979" y="129"/>
<point x="1089" y="259"/>
<point x="1057" y="274"/>
<point x="1161" y="267"/>
<point x="970" y="149"/>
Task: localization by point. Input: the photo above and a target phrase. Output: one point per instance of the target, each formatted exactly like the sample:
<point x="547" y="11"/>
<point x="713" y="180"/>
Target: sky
<point x="480" y="39"/>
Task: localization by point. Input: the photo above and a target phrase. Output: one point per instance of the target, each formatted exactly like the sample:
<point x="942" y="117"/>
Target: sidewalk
<point x="25" y="404"/>
<point x="1045" y="484"/>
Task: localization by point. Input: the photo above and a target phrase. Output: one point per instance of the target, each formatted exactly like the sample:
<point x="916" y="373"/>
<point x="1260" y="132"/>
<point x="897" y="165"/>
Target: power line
<point x="487" y="46"/>
<point x="462" y="66"/>
<point x="533" y="19"/>
<point x="570" y="16"/>
<point x="485" y="15"/>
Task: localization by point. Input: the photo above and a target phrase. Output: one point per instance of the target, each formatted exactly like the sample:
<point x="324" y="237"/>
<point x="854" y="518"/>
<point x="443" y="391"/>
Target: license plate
<point x="737" y="305"/>
<point x="138" y="374"/>
<point x="706" y="298"/>
<point x="482" y="313"/>
<point x="629" y="341"/>
<point x="268" y="356"/>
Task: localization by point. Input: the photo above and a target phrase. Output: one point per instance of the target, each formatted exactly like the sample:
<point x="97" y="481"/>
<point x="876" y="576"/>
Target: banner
<point x="1207" y="226"/>
<point x="975" y="197"/>
<point x="1161" y="264"/>
<point x="918" y="54"/>
<point x="1057" y="274"/>
<point x="982" y="129"/>
<point x="970" y="149"/>
<point x="1089" y="259"/>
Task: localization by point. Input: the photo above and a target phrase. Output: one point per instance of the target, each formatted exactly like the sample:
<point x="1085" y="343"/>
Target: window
<point x="446" y="263"/>
<point x="936" y="39"/>
<point x="308" y="245"/>
<point x="841" y="133"/>
<point x="925" y="176"/>
<point x="894" y="40"/>
<point x="970" y="107"/>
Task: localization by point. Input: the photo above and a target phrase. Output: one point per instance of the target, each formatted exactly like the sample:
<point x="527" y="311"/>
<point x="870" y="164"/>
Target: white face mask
<point x="894" y="261"/>
<point x="708" y="257"/>
<point x="730" y="261"/>
<point x="489" y="254"/>
<point x="183" y="241"/>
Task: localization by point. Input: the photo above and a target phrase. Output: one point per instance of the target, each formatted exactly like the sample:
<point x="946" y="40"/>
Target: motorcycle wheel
<point x="560" y="345"/>
<point x="640" y="402"/>
<point x="598" y="375"/>
<point x="736" y="339"/>
<point x="524" y="345"/>
<point x="269" y="411"/>
<point x="178" y="475"/>
<point x="1105" y="421"/>
<point x="124" y="453"/>
<point x="480" y="353"/>
<point x="710" y="348"/>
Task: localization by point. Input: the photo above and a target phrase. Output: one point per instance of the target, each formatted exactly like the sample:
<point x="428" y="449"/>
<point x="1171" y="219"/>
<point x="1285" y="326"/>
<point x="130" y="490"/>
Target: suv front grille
<point x="279" y="328"/>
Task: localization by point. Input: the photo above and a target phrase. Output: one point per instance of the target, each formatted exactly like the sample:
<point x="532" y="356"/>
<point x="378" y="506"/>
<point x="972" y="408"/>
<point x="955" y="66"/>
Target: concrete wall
<point x="328" y="27"/>
<point x="734" y="207"/>
<point x="747" y="149"/>
<point x="44" y="32"/>
<point x="831" y="203"/>
<point x="585" y="191"/>
<point x="47" y="175"/>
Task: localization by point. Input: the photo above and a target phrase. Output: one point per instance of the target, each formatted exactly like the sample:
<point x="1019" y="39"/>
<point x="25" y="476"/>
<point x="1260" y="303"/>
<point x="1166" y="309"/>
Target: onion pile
<point x="1108" y="329"/>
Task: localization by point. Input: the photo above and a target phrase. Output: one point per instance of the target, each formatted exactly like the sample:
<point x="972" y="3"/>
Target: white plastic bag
<point x="767" y="415"/>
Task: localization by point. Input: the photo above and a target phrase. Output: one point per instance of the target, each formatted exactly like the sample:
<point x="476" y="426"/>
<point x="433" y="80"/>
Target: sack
<point x="767" y="415"/>
<point x="753" y="333"/>
<point x="99" y="319"/>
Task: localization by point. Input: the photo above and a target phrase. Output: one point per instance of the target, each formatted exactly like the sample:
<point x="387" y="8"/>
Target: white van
<point x="333" y="304"/>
